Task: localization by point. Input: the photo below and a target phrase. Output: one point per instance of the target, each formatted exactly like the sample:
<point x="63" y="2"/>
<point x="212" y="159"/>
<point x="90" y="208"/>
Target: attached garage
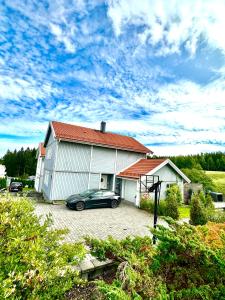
<point x="132" y="178"/>
<point x="129" y="190"/>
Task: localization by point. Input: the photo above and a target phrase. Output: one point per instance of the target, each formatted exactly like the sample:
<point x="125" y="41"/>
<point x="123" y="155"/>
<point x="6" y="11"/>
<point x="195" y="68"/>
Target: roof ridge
<point x="119" y="134"/>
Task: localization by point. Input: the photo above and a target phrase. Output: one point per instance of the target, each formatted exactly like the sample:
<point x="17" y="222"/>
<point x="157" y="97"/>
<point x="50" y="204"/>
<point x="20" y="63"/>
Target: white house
<point x="40" y="168"/>
<point x="2" y="171"/>
<point x="134" y="178"/>
<point x="79" y="158"/>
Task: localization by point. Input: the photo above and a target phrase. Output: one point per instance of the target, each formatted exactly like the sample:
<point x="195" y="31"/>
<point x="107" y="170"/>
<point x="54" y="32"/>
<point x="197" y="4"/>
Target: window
<point x="107" y="194"/>
<point x="98" y="194"/>
<point x="170" y="184"/>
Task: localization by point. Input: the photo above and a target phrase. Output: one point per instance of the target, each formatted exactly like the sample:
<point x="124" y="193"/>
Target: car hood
<point x="74" y="198"/>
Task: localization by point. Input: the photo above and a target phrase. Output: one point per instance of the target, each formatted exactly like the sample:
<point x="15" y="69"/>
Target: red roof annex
<point x="69" y="132"/>
<point x="142" y="167"/>
<point x="42" y="149"/>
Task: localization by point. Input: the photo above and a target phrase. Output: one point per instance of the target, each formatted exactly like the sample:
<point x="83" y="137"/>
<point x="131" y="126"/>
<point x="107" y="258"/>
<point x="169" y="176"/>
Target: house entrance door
<point x="104" y="182"/>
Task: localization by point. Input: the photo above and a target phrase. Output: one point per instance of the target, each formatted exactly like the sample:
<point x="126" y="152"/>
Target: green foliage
<point x="218" y="179"/>
<point x="34" y="262"/>
<point x="216" y="217"/>
<point x="172" y="206"/>
<point x="168" y="207"/>
<point x="148" y="205"/>
<point x="175" y="191"/>
<point x="19" y="163"/>
<point x="29" y="183"/>
<point x="206" y="161"/>
<point x="133" y="257"/>
<point x="191" y="268"/>
<point x="198" y="213"/>
<point x="203" y="210"/>
<point x="199" y="176"/>
<point x="2" y="183"/>
<point x="184" y="211"/>
<point x="187" y="263"/>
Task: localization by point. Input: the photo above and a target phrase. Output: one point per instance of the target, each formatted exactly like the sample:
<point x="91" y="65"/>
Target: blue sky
<point x="152" y="69"/>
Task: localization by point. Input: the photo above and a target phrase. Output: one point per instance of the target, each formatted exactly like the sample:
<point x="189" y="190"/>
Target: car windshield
<point x="15" y="183"/>
<point x="87" y="193"/>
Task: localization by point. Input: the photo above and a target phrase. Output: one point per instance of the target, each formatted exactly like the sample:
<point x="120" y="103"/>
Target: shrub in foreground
<point x="34" y="263"/>
<point x="188" y="263"/>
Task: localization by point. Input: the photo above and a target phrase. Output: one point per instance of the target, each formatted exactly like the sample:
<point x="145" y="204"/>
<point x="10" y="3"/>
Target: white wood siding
<point x="74" y="167"/>
<point x="39" y="174"/>
<point x="47" y="184"/>
<point x="50" y="153"/>
<point x="126" y="158"/>
<point x="103" y="160"/>
<point x="94" y="181"/>
<point x="73" y="157"/>
<point x="168" y="176"/>
<point x="66" y="184"/>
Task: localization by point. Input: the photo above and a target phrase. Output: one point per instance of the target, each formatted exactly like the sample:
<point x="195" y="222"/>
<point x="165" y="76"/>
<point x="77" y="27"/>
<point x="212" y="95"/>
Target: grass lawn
<point x="184" y="211"/>
<point x="218" y="179"/>
<point x="26" y="189"/>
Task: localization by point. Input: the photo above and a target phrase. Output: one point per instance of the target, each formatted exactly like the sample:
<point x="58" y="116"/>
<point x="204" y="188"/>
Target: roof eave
<point x="168" y="161"/>
<point x="49" y="130"/>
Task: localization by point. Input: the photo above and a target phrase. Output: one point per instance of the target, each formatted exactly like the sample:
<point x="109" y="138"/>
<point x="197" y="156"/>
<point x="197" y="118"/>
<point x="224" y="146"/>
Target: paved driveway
<point x="101" y="222"/>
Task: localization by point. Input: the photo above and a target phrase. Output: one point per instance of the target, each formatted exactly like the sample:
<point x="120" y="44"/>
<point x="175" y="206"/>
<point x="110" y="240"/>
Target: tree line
<point x="204" y="161"/>
<point x="20" y="163"/>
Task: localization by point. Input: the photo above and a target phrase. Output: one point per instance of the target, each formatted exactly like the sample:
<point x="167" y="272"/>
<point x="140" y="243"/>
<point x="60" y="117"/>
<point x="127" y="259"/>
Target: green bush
<point x="198" y="213"/>
<point x="199" y="176"/>
<point x="2" y="183"/>
<point x="203" y="210"/>
<point x="216" y="217"/>
<point x="175" y="191"/>
<point x="171" y="208"/>
<point x="187" y="264"/>
<point x="148" y="205"/>
<point x="34" y="263"/>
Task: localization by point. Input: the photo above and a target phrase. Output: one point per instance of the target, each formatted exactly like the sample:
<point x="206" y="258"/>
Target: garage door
<point x="130" y="190"/>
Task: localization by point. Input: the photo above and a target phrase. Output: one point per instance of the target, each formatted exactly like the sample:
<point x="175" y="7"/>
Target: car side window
<point x="98" y="194"/>
<point x="107" y="194"/>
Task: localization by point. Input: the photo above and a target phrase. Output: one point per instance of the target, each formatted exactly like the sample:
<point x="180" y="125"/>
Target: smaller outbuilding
<point x="134" y="178"/>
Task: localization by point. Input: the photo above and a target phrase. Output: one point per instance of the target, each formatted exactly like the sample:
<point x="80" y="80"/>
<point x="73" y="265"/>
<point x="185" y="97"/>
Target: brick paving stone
<point x="123" y="221"/>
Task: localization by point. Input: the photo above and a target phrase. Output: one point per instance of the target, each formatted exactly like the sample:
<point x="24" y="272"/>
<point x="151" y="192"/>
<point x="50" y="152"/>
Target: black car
<point x="16" y="187"/>
<point x="93" y="198"/>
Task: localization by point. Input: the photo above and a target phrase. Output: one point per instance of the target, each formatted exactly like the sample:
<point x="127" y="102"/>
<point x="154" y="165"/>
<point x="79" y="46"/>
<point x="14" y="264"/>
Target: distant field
<point x="218" y="179"/>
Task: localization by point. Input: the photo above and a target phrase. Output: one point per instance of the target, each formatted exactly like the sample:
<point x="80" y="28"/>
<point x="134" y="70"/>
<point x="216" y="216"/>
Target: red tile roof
<point x="42" y="149"/>
<point x="142" y="167"/>
<point x="75" y="133"/>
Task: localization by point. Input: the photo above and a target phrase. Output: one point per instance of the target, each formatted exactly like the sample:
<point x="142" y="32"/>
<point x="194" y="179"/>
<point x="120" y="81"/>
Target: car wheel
<point x="79" y="206"/>
<point x="114" y="203"/>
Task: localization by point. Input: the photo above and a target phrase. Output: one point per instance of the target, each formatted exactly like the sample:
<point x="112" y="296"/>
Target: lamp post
<point x="156" y="187"/>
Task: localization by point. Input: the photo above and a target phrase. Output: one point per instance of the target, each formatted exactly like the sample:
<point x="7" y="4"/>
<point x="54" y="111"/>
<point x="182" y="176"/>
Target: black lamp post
<point x="156" y="187"/>
<point x="151" y="183"/>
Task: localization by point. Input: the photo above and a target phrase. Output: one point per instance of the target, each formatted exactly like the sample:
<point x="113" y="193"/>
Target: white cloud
<point x="64" y="37"/>
<point x="171" y="24"/>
